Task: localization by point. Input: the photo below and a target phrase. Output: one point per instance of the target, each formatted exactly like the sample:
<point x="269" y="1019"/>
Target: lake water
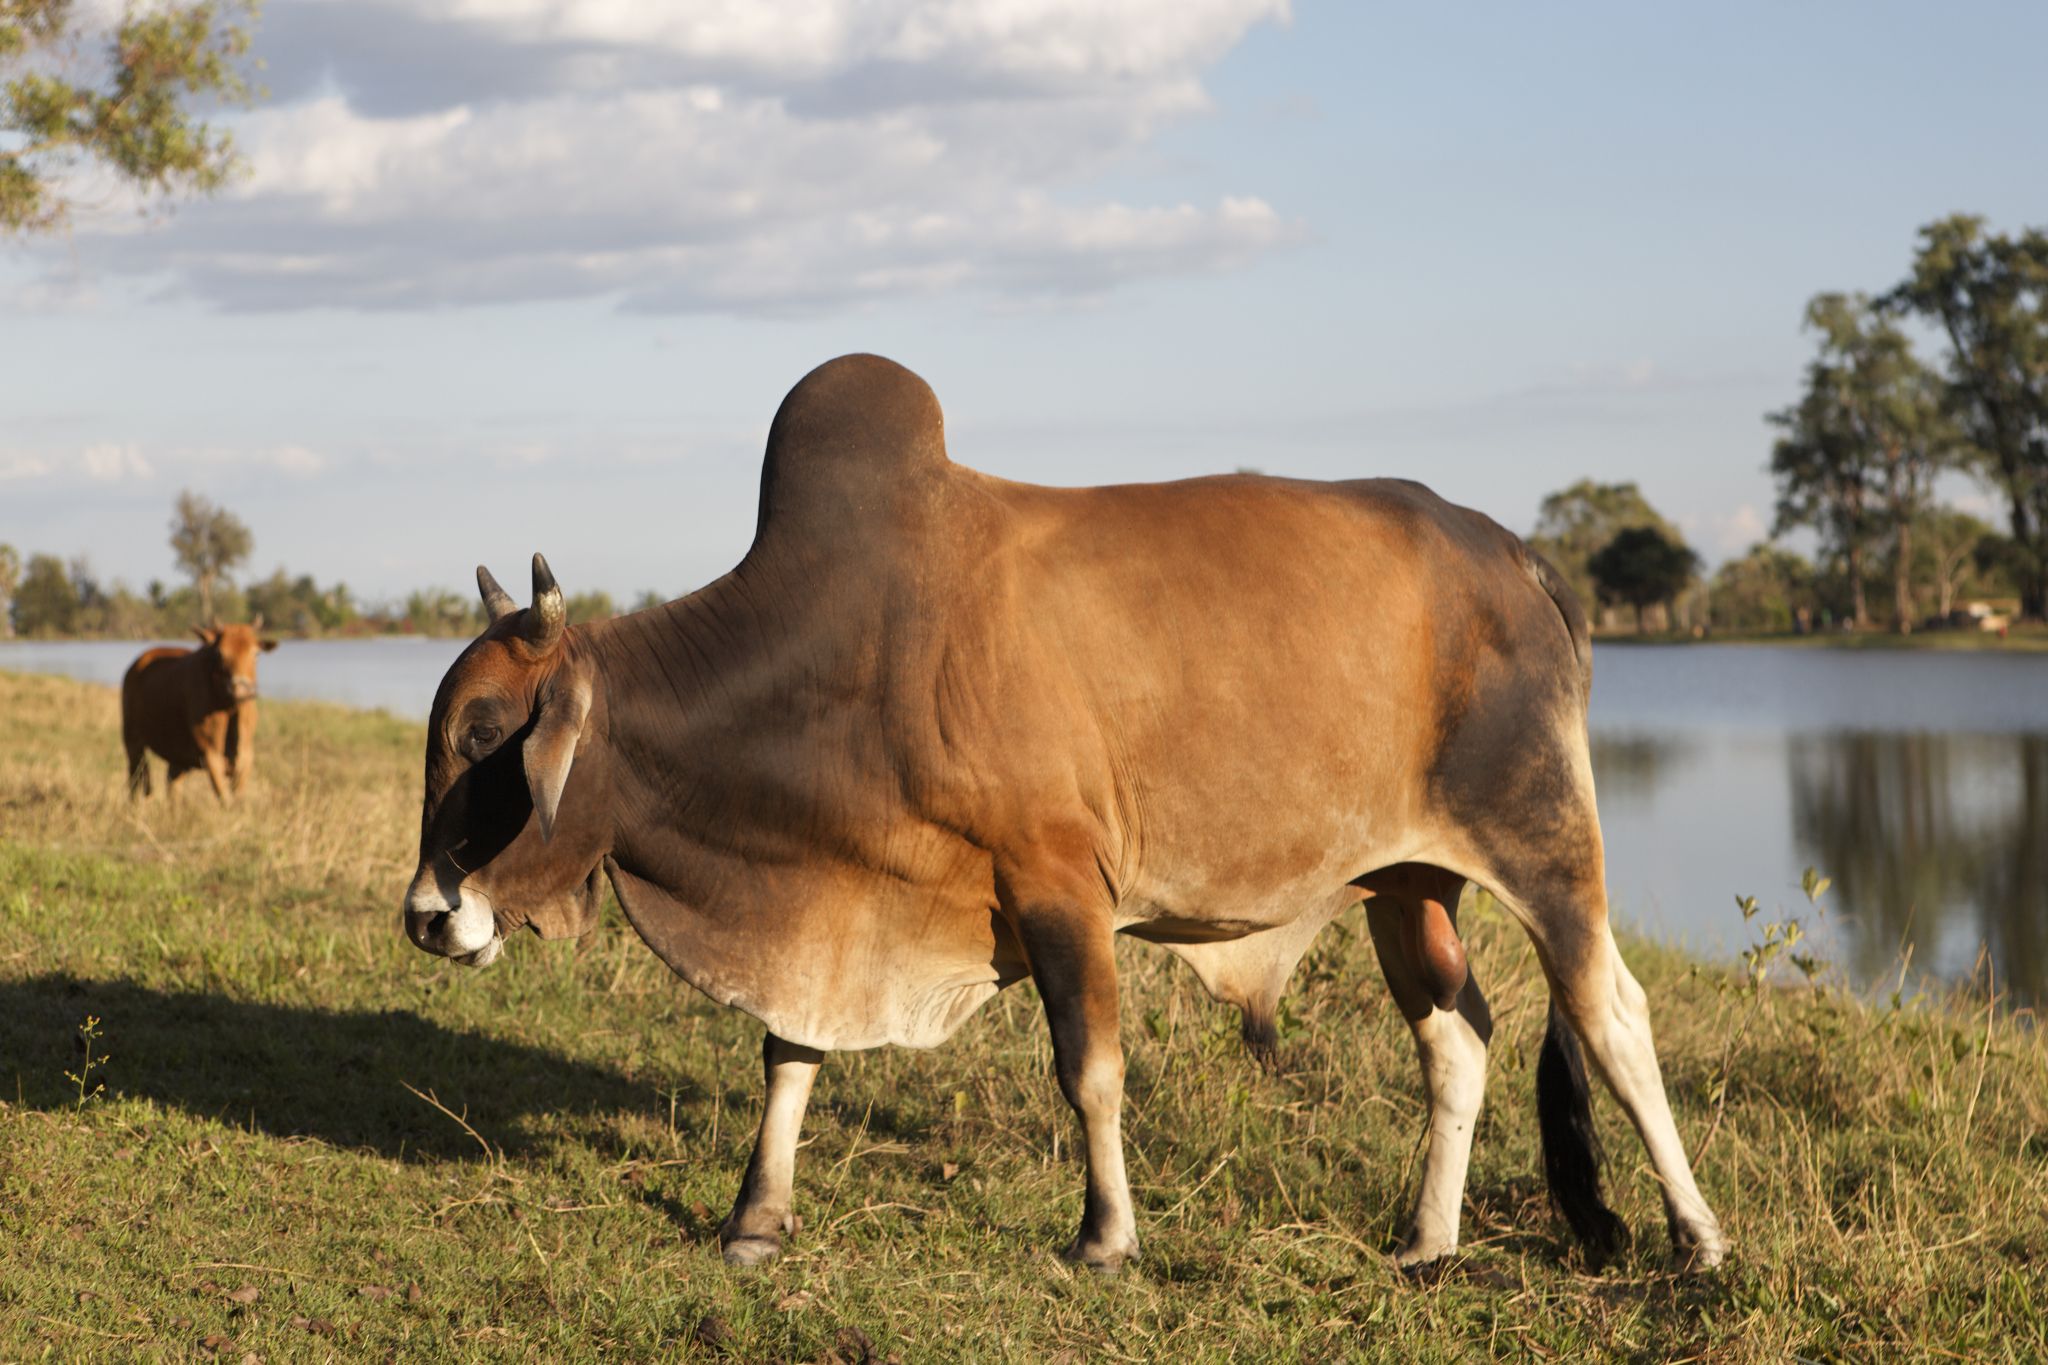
<point x="1918" y="782"/>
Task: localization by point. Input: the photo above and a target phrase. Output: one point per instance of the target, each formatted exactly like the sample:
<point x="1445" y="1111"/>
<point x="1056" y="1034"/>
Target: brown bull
<point x="939" y="731"/>
<point x="195" y="708"/>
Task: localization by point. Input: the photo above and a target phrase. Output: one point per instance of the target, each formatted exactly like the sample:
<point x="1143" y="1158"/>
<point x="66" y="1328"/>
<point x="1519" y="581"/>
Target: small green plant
<point x="1779" y="939"/>
<point x="88" y="1088"/>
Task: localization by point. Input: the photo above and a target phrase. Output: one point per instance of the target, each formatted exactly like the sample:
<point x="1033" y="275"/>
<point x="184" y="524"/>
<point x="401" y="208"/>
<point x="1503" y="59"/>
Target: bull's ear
<point x="550" y="749"/>
<point x="266" y="645"/>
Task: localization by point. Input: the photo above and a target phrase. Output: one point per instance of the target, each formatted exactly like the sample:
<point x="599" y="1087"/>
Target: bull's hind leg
<point x="1067" y="936"/>
<point x="138" y="771"/>
<point x="761" y="1215"/>
<point x="1565" y="910"/>
<point x="1411" y="914"/>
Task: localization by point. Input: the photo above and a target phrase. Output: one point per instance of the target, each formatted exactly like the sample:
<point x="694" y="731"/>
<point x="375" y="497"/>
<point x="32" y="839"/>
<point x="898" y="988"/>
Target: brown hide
<point x="930" y="701"/>
<point x="195" y="708"/>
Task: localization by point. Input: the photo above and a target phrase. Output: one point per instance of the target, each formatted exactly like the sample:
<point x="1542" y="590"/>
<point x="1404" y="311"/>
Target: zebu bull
<point x="195" y="708"/>
<point x="939" y="731"/>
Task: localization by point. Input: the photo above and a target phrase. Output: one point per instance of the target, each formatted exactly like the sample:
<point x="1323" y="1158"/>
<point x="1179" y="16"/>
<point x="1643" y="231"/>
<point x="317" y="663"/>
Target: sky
<point x="508" y="275"/>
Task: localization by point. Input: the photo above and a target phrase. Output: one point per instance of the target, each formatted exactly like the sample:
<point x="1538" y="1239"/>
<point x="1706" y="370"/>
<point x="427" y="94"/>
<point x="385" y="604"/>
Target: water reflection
<point x="1938" y="840"/>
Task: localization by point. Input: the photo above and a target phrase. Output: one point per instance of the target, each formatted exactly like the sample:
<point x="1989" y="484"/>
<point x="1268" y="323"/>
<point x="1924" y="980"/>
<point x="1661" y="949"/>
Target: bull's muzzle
<point x="467" y="932"/>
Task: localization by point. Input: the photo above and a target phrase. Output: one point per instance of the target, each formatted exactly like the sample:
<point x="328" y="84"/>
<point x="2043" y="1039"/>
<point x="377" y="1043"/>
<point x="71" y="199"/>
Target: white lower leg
<point x="1452" y="1046"/>
<point x="761" y="1214"/>
<point x="1109" y="1225"/>
<point x="1619" y="1042"/>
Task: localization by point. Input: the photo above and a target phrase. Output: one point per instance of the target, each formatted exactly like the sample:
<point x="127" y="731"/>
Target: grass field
<point x="315" y="1142"/>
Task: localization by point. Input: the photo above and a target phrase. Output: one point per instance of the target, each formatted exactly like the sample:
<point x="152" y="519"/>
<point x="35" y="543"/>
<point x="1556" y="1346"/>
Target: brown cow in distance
<point x="195" y="708"/>
<point x="939" y="731"/>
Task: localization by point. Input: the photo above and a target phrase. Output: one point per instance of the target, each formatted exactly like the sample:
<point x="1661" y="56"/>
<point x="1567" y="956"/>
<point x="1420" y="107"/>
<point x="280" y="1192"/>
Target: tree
<point x="1945" y="545"/>
<point x="1766" y="589"/>
<point x="1575" y="523"/>
<point x="208" y="541"/>
<point x="596" y="605"/>
<point x="1988" y="294"/>
<point x="131" y="113"/>
<point x="10" y="579"/>
<point x="1861" y="449"/>
<point x="1642" y="566"/>
<point x="46" y="603"/>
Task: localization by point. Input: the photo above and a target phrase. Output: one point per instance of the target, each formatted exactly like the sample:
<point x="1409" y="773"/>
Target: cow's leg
<point x="1606" y="1008"/>
<point x="1411" y="912"/>
<point x="217" y="773"/>
<point x="1070" y="948"/>
<point x="753" y="1234"/>
<point x="243" y="745"/>
<point x="138" y="771"/>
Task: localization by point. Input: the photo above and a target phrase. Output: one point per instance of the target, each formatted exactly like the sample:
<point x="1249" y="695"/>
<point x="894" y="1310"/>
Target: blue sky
<point x="518" y="274"/>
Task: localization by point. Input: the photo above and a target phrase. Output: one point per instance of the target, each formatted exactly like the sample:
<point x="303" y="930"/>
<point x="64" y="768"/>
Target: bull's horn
<point x="256" y="621"/>
<point x="497" y="601"/>
<point x="545" y="618"/>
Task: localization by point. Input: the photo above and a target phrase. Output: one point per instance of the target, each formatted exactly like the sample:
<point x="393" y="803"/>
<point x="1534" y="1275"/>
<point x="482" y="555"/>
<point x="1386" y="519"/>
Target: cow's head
<point x="516" y="820"/>
<point x="229" y="655"/>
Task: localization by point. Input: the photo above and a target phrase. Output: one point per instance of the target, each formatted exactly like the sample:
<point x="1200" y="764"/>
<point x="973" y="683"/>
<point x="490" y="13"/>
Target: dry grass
<point x="316" y="1142"/>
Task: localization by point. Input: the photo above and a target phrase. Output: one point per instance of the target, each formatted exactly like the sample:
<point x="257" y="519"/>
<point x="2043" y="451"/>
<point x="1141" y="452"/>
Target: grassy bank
<point x="315" y="1142"/>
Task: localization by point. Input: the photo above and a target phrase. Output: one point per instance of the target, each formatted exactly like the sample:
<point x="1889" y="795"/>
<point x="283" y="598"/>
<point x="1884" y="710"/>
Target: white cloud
<point x="22" y="467"/>
<point x="111" y="462"/>
<point x="298" y="460"/>
<point x="1736" y="531"/>
<point x="744" y="155"/>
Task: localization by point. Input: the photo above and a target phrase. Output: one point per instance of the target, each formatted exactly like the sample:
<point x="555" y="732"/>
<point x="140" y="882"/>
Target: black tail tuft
<point x="1262" y="1036"/>
<point x="1571" y="1146"/>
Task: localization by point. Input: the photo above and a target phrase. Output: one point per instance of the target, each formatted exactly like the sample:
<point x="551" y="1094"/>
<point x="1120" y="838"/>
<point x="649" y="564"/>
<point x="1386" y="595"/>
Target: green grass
<point x="317" y="1143"/>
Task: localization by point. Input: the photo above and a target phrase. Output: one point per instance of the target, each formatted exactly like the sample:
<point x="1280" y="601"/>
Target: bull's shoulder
<point x="152" y="664"/>
<point x="161" y="654"/>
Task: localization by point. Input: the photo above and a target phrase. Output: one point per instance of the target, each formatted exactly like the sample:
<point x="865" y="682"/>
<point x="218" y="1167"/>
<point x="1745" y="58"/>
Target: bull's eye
<point x="480" y="739"/>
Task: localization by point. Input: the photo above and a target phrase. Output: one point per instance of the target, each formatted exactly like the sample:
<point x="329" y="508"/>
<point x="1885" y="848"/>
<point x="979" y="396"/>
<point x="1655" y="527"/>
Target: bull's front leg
<point x="1070" y="948"/>
<point x="761" y="1215"/>
<point x="217" y="773"/>
<point x="244" y="746"/>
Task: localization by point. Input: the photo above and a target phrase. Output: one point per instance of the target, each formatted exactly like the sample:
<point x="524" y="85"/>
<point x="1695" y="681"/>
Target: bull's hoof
<point x="1104" y="1256"/>
<point x="750" y="1250"/>
<point x="1696" y="1252"/>
<point x="1424" y="1258"/>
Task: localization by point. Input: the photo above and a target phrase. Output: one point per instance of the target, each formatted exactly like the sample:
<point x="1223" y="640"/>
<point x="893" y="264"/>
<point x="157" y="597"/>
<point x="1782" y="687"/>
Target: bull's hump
<point x="857" y="433"/>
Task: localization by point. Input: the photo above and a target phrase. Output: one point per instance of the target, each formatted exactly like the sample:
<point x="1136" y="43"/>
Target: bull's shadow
<point x="294" y="1070"/>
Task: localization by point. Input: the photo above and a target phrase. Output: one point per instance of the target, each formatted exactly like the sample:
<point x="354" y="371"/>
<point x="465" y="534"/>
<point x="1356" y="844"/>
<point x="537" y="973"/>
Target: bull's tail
<point x="1571" y="1145"/>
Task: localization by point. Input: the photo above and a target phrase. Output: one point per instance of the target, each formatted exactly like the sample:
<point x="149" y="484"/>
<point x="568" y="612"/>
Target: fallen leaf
<point x="413" y="1293"/>
<point x="635" y="1175"/>
<point x="252" y="1358"/>
<point x="86" y="1296"/>
<point x="217" y="1343"/>
<point x="375" y="1293"/>
<point x="789" y="1303"/>
<point x="700" y="1211"/>
<point x="248" y="1293"/>
<point x="948" y="1169"/>
<point x="855" y="1344"/>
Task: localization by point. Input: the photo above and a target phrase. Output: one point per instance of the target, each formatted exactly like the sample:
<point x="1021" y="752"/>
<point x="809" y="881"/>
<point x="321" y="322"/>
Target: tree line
<point x="46" y="596"/>
<point x="1855" y="461"/>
